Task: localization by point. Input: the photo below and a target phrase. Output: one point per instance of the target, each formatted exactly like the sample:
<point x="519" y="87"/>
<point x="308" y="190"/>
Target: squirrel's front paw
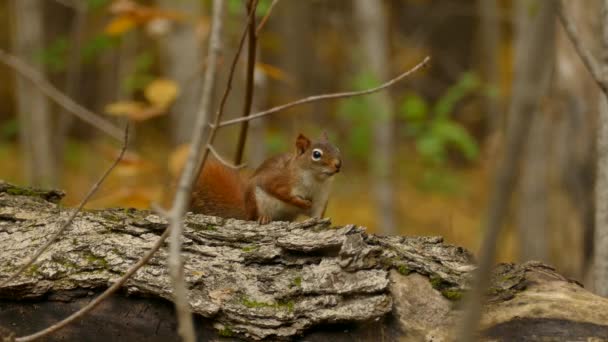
<point x="264" y="219"/>
<point x="303" y="202"/>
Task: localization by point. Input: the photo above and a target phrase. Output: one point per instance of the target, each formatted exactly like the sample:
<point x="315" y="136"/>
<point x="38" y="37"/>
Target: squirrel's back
<point x="219" y="191"/>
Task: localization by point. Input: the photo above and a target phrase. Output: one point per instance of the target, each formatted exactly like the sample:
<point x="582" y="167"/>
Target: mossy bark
<point x="276" y="281"/>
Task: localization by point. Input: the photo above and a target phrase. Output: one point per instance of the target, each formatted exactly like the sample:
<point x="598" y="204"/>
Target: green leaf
<point x="414" y="107"/>
<point x="359" y="141"/>
<point x="96" y="4"/>
<point x="9" y="129"/>
<point x="457" y="137"/>
<point x="354" y="110"/>
<point x="143" y="62"/>
<point x="235" y="6"/>
<point x="135" y="82"/>
<point x="275" y="142"/>
<point x="263" y="7"/>
<point x="365" y="80"/>
<point x="98" y="45"/>
<point x="468" y="83"/>
<point x="431" y="147"/>
<point x="54" y="56"/>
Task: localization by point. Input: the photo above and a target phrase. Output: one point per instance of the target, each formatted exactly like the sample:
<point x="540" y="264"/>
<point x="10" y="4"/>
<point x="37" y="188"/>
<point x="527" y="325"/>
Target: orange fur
<point x="219" y="191"/>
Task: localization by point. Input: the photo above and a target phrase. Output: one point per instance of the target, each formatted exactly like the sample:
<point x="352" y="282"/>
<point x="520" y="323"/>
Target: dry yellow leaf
<point x="273" y="72"/>
<point x="161" y="92"/>
<point x="134" y="110"/>
<point x="177" y="159"/>
<point x="120" y="25"/>
<point x="124" y="108"/>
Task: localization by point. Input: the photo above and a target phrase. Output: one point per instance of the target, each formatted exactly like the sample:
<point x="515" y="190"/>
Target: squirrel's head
<point x="321" y="157"/>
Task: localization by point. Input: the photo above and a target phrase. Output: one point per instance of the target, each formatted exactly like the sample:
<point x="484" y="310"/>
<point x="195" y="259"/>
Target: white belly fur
<point x="278" y="210"/>
<point x="315" y="190"/>
<point x="308" y="188"/>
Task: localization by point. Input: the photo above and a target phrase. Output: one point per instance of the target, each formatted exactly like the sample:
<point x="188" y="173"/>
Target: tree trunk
<point x="372" y="23"/>
<point x="600" y="269"/>
<point x="276" y="281"/>
<point x="534" y="194"/>
<point x="73" y="79"/>
<point x="532" y="214"/>
<point x="182" y="54"/>
<point x="32" y="106"/>
<point x="574" y="145"/>
<point x="490" y="35"/>
<point x="257" y="128"/>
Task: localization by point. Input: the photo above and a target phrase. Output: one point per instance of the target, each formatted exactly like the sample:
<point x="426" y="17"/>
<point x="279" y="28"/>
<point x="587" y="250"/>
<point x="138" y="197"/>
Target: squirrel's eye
<point x="317" y="154"/>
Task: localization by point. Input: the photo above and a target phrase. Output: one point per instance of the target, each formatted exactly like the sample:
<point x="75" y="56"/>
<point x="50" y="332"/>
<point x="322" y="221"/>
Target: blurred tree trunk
<point x="600" y="256"/>
<point x="32" y="106"/>
<point x="297" y="56"/>
<point x="534" y="194"/>
<point x="257" y="128"/>
<point x="532" y="215"/>
<point x="373" y="31"/>
<point x="576" y="95"/>
<point x="73" y="78"/>
<point x="490" y="36"/>
<point x="182" y="54"/>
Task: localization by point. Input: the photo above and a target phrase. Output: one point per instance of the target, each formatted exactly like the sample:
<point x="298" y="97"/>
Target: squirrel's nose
<point x="337" y="164"/>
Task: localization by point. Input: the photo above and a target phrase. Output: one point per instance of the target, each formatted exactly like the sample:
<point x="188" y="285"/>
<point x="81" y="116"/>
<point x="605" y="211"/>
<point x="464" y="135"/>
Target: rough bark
<point x="276" y="281"/>
<point x="32" y="106"/>
<point x="372" y="23"/>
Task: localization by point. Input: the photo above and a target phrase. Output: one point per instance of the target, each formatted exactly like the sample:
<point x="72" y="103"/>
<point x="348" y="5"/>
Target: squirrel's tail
<point x="219" y="191"/>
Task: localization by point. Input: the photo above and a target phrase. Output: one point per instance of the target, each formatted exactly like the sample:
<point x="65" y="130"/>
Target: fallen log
<point x="305" y="280"/>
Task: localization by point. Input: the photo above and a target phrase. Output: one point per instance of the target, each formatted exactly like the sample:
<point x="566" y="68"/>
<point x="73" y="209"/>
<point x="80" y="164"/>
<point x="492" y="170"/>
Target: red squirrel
<point x="282" y="188"/>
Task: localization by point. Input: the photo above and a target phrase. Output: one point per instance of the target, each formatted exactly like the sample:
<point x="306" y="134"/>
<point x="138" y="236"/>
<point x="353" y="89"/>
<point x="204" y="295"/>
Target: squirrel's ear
<point x="302" y="144"/>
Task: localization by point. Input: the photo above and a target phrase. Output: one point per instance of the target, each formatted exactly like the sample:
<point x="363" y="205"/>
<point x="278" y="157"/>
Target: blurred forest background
<point x="418" y="158"/>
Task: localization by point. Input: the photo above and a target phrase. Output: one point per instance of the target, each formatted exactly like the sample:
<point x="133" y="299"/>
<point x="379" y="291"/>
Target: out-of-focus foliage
<point x="54" y="57"/>
<point x="359" y="115"/>
<point x="432" y="125"/>
<point x="159" y="93"/>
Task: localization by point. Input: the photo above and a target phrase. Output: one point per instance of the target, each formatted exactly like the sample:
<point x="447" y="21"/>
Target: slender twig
<point x="107" y="293"/>
<point x="60" y="98"/>
<point x="251" y="54"/>
<point x="223" y="160"/>
<point x="326" y="96"/>
<point x="182" y="195"/>
<point x="220" y="111"/>
<point x="67" y="223"/>
<point x="265" y="19"/>
<point x="583" y="52"/>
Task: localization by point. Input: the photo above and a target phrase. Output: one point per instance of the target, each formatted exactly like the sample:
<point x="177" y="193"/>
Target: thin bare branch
<point x="251" y="54"/>
<point x="583" y="51"/>
<point x="107" y="293"/>
<point x="327" y="96"/>
<point x="223" y="160"/>
<point x="182" y="195"/>
<point x="67" y="223"/>
<point x="265" y="19"/>
<point x="220" y="111"/>
<point x="60" y="98"/>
